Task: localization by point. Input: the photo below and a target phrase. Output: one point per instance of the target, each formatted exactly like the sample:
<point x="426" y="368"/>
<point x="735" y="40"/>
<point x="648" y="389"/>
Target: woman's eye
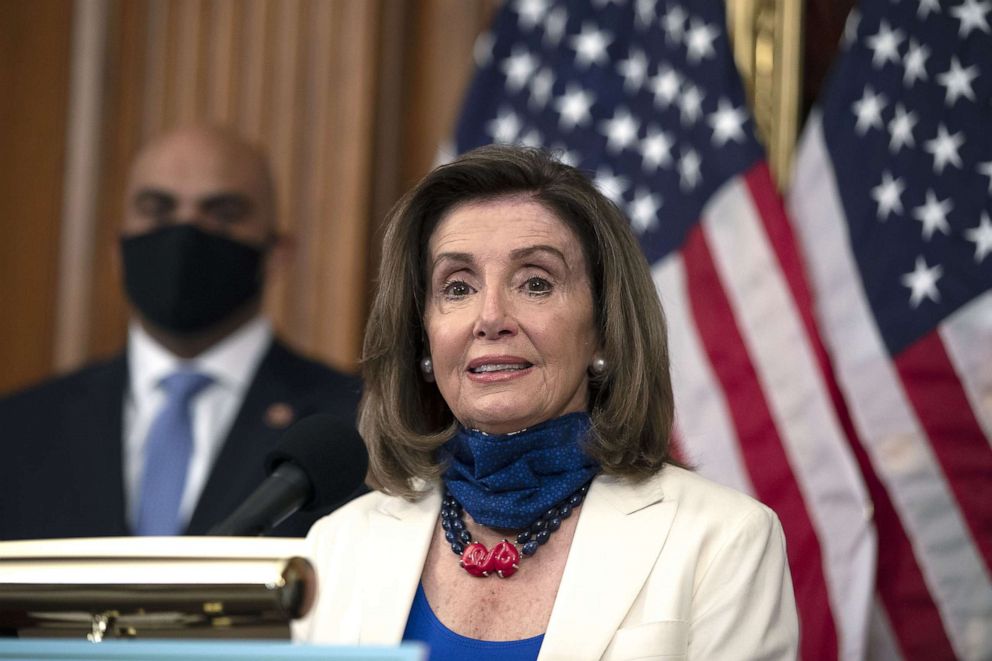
<point x="537" y="286"/>
<point x="456" y="289"/>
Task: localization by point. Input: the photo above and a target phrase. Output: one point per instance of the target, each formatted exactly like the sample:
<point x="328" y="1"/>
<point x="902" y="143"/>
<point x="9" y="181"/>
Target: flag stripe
<point x="887" y="426"/>
<point x="855" y="603"/>
<point x="883" y="645"/>
<point x="957" y="440"/>
<point x="761" y="442"/>
<point x="813" y="440"/>
<point x="783" y="242"/>
<point x="912" y="614"/>
<point x="707" y="431"/>
<point x="967" y="337"/>
<point x="917" y="630"/>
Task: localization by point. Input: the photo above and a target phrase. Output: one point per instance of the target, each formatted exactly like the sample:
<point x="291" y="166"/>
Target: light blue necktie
<point x="168" y="448"/>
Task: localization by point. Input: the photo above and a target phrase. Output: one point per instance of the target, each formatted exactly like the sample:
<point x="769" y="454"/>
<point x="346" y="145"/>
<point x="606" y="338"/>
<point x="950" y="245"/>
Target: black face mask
<point x="186" y="280"/>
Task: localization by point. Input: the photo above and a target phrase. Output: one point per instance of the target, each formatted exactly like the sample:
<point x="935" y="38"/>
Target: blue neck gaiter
<point x="509" y="480"/>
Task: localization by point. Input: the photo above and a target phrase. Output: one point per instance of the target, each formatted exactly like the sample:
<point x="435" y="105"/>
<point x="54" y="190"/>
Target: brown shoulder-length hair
<point x="404" y="419"/>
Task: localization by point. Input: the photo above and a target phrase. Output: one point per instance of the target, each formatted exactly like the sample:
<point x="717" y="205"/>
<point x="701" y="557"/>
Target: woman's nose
<point x="495" y="319"/>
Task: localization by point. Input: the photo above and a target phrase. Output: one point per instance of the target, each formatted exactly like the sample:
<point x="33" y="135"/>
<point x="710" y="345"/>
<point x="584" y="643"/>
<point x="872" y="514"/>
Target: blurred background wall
<point x="352" y="99"/>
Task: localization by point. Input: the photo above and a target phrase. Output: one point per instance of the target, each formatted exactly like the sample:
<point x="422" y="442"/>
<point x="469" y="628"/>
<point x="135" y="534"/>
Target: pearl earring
<point x="427" y="367"/>
<point x="598" y="367"/>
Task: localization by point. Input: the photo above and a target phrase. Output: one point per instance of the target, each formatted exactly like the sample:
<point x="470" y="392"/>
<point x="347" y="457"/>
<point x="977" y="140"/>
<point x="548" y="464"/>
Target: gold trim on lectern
<point x="161" y="587"/>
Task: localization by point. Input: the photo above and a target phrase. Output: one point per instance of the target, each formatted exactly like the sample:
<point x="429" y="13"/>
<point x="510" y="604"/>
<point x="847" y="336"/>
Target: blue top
<point x="446" y="645"/>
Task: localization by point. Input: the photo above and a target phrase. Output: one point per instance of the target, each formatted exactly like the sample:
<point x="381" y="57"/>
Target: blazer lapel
<point x="391" y="571"/>
<point x="624" y="522"/>
<point x="93" y="424"/>
<point x="285" y="389"/>
<point x="238" y="468"/>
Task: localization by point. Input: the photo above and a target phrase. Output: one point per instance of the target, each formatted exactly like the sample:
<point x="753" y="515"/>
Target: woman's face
<point x="509" y="315"/>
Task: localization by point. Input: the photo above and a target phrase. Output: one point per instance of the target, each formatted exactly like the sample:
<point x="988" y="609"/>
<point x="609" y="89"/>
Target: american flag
<point x="644" y="96"/>
<point x="892" y="202"/>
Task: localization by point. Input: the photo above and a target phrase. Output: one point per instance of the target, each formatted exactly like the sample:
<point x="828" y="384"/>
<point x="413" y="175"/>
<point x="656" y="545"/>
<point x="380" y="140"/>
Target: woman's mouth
<point x="492" y="368"/>
<point x="499" y="367"/>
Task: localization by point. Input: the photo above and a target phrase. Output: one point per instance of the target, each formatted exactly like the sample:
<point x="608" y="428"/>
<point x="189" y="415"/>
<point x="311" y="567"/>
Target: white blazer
<point x="675" y="567"/>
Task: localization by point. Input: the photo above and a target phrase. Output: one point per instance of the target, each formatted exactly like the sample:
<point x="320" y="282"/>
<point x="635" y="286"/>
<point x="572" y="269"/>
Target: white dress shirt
<point x="231" y="364"/>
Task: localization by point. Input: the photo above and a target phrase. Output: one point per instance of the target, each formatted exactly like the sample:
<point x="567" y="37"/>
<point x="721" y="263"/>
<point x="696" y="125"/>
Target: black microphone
<point x="319" y="461"/>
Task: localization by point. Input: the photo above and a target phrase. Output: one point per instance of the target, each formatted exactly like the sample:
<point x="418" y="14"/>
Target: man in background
<point x="170" y="436"/>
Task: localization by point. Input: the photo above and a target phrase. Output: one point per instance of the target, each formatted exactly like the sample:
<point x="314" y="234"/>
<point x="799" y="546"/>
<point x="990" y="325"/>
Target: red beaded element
<point x="475" y="559"/>
<point x="504" y="558"/>
<point x="480" y="561"/>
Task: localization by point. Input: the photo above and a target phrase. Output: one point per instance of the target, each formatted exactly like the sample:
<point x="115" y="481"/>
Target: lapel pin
<point x="279" y="415"/>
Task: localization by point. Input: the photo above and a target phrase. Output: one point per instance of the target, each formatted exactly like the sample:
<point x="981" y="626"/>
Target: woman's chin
<point x="502" y="421"/>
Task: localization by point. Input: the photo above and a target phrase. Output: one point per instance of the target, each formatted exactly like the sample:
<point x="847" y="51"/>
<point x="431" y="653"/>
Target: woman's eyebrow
<point x="523" y="253"/>
<point x="516" y="255"/>
<point x="457" y="257"/>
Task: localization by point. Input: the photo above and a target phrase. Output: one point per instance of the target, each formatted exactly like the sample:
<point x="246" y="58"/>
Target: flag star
<point x="944" y="149"/>
<point x="915" y="63"/>
<point x="656" y="149"/>
<point x="927" y="6"/>
<point x="986" y="169"/>
<point x="885" y="45"/>
<point x="972" y="13"/>
<point x="691" y="104"/>
<point x="506" y="127"/>
<point x="957" y="80"/>
<point x="901" y="129"/>
<point x="620" y="130"/>
<point x="590" y="46"/>
<point x="573" y="107"/>
<point x="644" y="211"/>
<point x="665" y="86"/>
<point x="933" y="215"/>
<point x="482" y="50"/>
<point x="530" y="12"/>
<point x="923" y="282"/>
<point x="869" y="110"/>
<point x="634" y="70"/>
<point x="888" y="195"/>
<point x="554" y="26"/>
<point x="699" y="41"/>
<point x="673" y="22"/>
<point x="532" y="139"/>
<point x="981" y="236"/>
<point x="566" y="156"/>
<point x="540" y="88"/>
<point x="519" y="67"/>
<point x="689" y="174"/>
<point x="610" y="185"/>
<point x="645" y="13"/>
<point x="727" y="123"/>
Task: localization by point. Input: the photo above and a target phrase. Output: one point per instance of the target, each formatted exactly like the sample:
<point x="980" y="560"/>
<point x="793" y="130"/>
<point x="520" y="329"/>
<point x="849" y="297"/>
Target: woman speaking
<point x="518" y="415"/>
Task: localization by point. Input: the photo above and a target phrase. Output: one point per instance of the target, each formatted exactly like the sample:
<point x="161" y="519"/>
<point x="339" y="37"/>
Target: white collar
<point x="231" y="362"/>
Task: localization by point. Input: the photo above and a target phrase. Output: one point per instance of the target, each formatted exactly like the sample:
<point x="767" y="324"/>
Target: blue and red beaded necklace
<point x="504" y="558"/>
<point x="528" y="480"/>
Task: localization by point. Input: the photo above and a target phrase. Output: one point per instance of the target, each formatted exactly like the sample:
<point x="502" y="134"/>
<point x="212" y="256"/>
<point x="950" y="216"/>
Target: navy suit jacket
<point x="61" y="464"/>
